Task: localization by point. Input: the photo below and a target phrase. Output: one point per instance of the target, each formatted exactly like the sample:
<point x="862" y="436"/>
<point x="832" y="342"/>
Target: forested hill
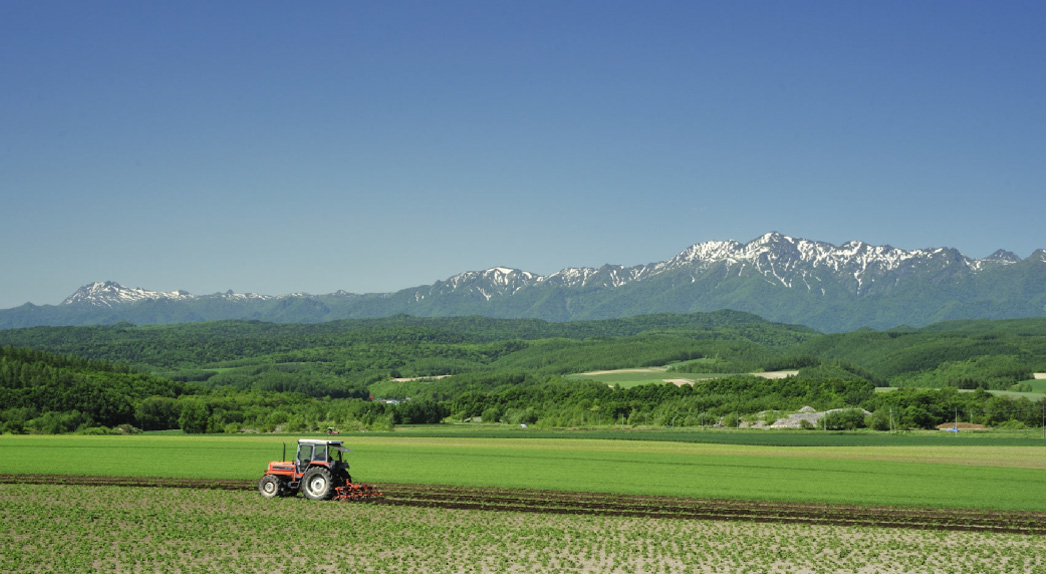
<point x="227" y="375"/>
<point x="72" y="392"/>
<point x="403" y="338"/>
<point x="342" y="358"/>
<point x="962" y="354"/>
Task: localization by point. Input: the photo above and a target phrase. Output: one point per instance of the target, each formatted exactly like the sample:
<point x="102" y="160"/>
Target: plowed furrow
<point x="556" y="502"/>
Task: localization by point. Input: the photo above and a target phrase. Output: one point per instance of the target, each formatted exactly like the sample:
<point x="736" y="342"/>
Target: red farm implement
<point x="318" y="471"/>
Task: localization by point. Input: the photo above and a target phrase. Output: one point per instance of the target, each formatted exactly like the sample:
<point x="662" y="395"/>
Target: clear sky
<point x="279" y="147"/>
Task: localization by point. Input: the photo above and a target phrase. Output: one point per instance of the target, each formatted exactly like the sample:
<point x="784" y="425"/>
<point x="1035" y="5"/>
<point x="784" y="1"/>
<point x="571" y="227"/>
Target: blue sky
<point x="277" y="147"/>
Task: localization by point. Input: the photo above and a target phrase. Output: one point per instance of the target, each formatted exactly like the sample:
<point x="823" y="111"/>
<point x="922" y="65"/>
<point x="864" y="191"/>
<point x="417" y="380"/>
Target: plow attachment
<point x="356" y="491"/>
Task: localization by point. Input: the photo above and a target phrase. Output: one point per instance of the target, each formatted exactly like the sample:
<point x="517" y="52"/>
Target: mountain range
<point x="785" y="279"/>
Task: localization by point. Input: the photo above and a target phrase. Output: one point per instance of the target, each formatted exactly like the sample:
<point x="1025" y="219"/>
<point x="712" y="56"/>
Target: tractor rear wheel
<point x="317" y="484"/>
<point x="269" y="486"/>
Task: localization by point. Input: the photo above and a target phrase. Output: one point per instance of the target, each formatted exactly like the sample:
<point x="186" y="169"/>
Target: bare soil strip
<point x="543" y="501"/>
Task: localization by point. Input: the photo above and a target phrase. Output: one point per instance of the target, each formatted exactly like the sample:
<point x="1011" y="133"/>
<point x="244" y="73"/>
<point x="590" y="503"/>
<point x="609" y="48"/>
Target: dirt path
<point x="501" y="499"/>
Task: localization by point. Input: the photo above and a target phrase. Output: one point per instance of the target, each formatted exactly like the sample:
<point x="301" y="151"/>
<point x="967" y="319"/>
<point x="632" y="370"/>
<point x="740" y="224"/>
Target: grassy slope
<point x="993" y="477"/>
<point x="635" y="377"/>
<point x="626" y="378"/>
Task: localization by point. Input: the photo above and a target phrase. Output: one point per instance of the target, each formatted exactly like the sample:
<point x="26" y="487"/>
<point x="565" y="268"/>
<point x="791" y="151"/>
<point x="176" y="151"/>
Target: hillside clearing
<point x="653" y="375"/>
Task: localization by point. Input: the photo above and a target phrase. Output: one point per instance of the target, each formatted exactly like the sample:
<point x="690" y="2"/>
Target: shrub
<point x="490" y="415"/>
<point x="879" y="420"/>
<point x="847" y="419"/>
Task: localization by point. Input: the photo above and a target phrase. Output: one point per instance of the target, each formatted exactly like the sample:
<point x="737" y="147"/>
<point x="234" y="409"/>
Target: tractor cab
<point x="325" y="452"/>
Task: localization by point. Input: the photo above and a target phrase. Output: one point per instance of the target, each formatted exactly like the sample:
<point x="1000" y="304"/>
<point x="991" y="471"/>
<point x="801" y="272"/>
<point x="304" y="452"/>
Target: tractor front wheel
<point x="269" y="486"/>
<point x="316" y="483"/>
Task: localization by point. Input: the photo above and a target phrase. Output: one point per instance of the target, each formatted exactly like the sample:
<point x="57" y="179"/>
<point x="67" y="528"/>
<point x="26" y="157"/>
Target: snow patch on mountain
<point x="787" y="261"/>
<point x="110" y="294"/>
<point x="794" y="263"/>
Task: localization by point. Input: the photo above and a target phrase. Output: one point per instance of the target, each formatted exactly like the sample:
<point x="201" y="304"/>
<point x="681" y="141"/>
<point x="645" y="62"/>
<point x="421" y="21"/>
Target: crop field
<point x="460" y="502"/>
<point x="1033" y="396"/>
<point x="979" y="476"/>
<point x="48" y="528"/>
<point x="776" y="438"/>
<point x="1003" y="478"/>
<point x="634" y="377"/>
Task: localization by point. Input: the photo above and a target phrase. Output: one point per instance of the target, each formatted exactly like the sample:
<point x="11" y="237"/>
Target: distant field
<point x="975" y="476"/>
<point x="635" y="377"/>
<point x="1037" y="385"/>
<point x="1033" y="396"/>
<point x="761" y="437"/>
<point x="627" y="378"/>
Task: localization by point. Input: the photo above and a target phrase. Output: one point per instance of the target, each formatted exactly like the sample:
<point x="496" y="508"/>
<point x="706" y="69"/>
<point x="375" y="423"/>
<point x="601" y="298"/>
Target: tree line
<point x="233" y="375"/>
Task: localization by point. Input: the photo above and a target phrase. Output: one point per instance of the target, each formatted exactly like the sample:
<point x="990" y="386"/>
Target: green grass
<point x="1032" y="396"/>
<point x="118" y="530"/>
<point x="627" y="378"/>
<point x="993" y="477"/>
<point x="787" y="438"/>
<point x="635" y="377"/>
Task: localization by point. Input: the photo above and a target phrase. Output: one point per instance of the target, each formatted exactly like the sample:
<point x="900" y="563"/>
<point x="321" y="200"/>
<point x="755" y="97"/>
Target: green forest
<point x="235" y="376"/>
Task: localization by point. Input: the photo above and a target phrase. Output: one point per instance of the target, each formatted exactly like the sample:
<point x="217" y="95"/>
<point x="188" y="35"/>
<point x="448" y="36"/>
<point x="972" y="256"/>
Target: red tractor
<point x="318" y="470"/>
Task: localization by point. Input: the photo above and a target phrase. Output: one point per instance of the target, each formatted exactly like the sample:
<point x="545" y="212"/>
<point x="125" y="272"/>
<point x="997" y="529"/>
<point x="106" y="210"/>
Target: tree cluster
<point x="231" y="375"/>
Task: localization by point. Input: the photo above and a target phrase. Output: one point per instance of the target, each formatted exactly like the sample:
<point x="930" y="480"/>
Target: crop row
<point x="557" y="502"/>
<point x="51" y="528"/>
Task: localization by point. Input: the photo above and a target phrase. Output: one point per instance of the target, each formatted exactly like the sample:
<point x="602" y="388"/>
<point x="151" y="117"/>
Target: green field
<point x="1032" y="396"/>
<point x="1037" y="393"/>
<point x="762" y="437"/>
<point x="626" y="378"/>
<point x="958" y="474"/>
<point x="48" y="528"/>
<point x="634" y="377"/>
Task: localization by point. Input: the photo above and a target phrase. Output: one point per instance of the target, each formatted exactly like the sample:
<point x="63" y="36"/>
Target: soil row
<point x="546" y="501"/>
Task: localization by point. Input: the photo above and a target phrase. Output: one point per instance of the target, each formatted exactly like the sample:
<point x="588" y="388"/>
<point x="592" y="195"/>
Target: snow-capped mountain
<point x="781" y="278"/>
<point x="110" y="294"/>
<point x="497" y="281"/>
<point x="811" y="265"/>
<point x="794" y="263"/>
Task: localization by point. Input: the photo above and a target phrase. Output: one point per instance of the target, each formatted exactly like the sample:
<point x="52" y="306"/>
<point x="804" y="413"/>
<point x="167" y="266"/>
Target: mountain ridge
<point x="778" y="277"/>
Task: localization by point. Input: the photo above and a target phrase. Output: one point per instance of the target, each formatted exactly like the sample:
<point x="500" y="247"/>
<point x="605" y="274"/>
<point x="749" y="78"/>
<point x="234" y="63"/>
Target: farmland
<point x="973" y="475"/>
<point x="652" y="375"/>
<point x="462" y="502"/>
<point x="617" y="470"/>
<point x="46" y="528"/>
